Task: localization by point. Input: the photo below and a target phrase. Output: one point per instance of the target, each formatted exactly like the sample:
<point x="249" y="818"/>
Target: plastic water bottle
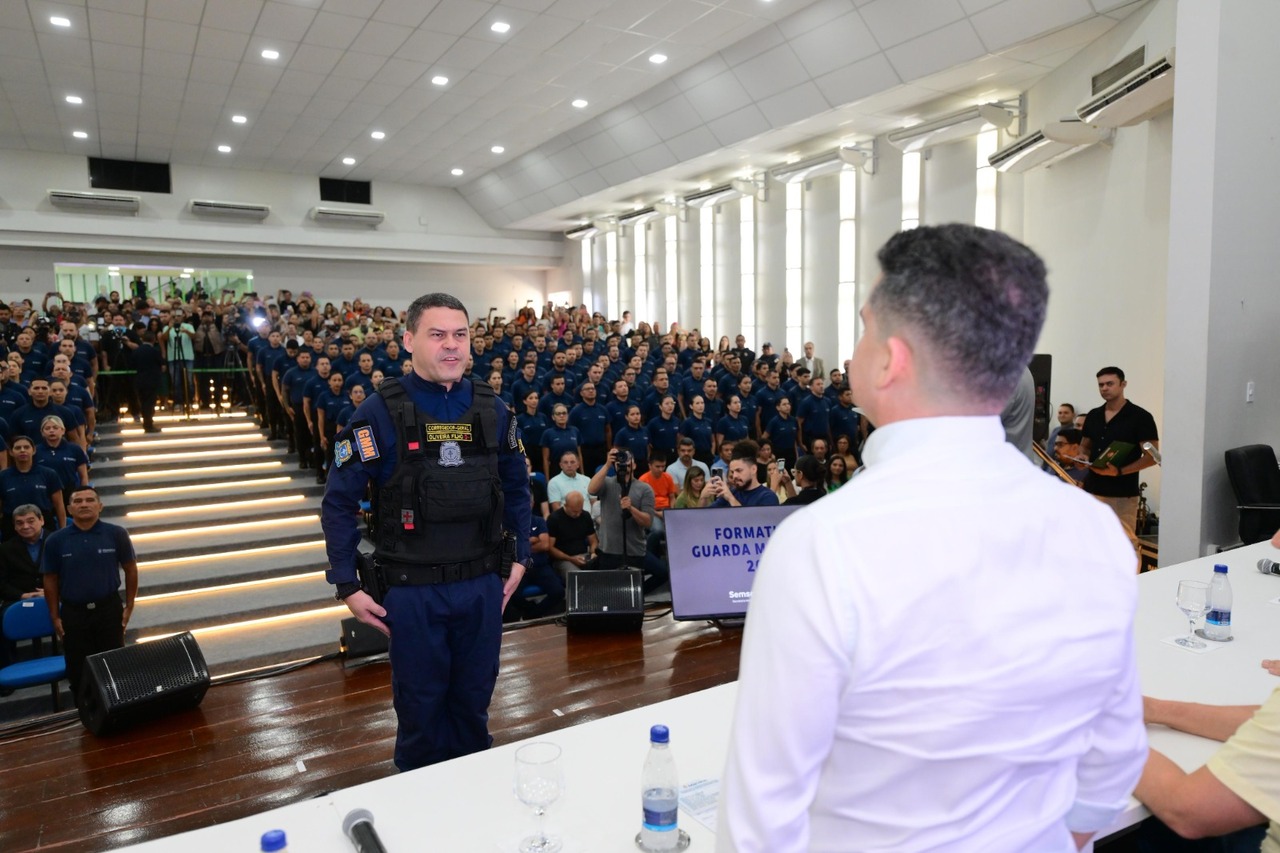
<point x="1217" y="622"/>
<point x="660" y="792"/>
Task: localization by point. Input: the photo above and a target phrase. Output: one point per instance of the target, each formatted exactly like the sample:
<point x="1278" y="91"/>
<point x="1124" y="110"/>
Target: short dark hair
<point x="745" y="449"/>
<point x="1109" y="371"/>
<point x="658" y="455"/>
<point x="811" y="468"/>
<point x="432" y="300"/>
<point x="1072" y="435"/>
<point x="78" y="489"/>
<point x="975" y="297"/>
<point x="685" y="441"/>
<point x="1069" y="406"/>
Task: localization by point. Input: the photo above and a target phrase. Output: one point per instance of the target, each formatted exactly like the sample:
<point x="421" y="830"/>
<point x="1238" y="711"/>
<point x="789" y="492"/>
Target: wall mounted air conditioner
<point x="100" y="202"/>
<point x="230" y="209"/>
<point x="1133" y="99"/>
<point x="1056" y="141"/>
<point x="372" y="218"/>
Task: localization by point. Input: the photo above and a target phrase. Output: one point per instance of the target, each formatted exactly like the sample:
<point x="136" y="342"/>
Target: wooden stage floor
<point x="238" y="753"/>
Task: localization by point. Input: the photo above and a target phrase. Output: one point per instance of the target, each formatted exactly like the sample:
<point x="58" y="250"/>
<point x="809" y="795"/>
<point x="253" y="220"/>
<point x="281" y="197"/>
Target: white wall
<point x="1224" y="305"/>
<point x="1100" y="220"/>
<point x="949" y="184"/>
<point x="423" y="224"/>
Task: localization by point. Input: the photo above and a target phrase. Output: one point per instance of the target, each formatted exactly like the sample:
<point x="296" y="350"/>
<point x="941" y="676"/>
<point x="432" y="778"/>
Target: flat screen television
<point x="713" y="555"/>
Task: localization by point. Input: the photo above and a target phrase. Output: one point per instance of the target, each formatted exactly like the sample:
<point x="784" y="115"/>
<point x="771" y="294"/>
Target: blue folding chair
<point x="27" y="620"/>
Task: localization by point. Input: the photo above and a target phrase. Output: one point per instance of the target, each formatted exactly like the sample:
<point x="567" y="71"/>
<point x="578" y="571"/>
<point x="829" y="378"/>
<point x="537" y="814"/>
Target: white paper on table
<point x="1209" y="646"/>
<point x="699" y="800"/>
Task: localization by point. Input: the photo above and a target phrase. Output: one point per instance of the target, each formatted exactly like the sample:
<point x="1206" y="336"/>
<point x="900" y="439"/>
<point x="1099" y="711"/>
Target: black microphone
<point x="1268" y="567"/>
<point x="358" y="826"/>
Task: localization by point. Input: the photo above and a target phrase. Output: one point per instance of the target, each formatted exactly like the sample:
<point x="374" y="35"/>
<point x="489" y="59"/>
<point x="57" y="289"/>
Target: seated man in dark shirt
<point x="573" y="540"/>
<point x="742" y="488"/>
<point x="20" y="565"/>
<point x="539" y="575"/>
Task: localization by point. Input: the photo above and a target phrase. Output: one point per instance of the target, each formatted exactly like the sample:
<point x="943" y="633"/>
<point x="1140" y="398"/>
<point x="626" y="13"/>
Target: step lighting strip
<point x="195" y="440"/>
<point x="162" y="596"/>
<point x="195" y="454"/>
<point x="200" y="487"/>
<point x="340" y="609"/>
<point x="225" y="528"/>
<point x="215" y="507"/>
<point x="202" y="416"/>
<point x="227" y="555"/>
<point x="234" y="426"/>
<point x="186" y="472"/>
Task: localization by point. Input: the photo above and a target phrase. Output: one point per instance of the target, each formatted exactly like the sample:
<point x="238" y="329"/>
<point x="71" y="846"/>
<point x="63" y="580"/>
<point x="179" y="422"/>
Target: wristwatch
<point x="344" y="590"/>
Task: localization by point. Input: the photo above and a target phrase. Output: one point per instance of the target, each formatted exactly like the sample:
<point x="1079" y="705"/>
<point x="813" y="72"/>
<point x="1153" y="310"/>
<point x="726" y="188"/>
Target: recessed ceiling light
<point x="457" y="173"/>
<point x="497" y="149"/>
<point x="658" y="58"/>
<point x="59" y="21"/>
<point x="439" y="80"/>
<point x="500" y="26"/>
<point x="225" y="149"/>
<point x="79" y="134"/>
<point x="271" y="54"/>
<point x="378" y="134"/>
<point x="185" y="275"/>
<point x="239" y="119"/>
<point x="579" y="102"/>
<point x="113" y="269"/>
<point x="348" y="161"/>
<point x="74" y="99"/>
<point x="188" y="270"/>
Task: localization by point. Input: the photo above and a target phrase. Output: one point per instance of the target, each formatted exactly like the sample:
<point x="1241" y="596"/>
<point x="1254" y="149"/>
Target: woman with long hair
<point x="837" y="473"/>
<point x="694" y="482"/>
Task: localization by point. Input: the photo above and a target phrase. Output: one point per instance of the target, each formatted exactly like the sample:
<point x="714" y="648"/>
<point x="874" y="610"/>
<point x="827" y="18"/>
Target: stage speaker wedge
<point x="142" y="682"/>
<point x="609" y="600"/>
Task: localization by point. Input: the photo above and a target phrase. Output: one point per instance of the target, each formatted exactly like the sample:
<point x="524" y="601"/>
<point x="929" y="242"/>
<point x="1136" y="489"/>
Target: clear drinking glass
<point x="539" y="782"/>
<point x="1193" y="600"/>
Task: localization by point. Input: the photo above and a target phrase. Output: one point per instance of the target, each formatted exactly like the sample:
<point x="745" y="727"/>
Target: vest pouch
<point x="466" y="494"/>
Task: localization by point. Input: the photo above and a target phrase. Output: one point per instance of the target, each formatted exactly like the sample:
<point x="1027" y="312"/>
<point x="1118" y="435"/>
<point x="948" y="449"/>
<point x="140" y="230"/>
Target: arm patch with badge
<point x="342" y="453"/>
<point x="365" y="444"/>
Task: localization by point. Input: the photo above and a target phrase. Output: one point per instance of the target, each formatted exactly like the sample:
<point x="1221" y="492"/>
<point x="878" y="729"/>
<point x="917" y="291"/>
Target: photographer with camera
<point x="178" y="346"/>
<point x="626" y="511"/>
<point x="210" y="350"/>
<point x="115" y="351"/>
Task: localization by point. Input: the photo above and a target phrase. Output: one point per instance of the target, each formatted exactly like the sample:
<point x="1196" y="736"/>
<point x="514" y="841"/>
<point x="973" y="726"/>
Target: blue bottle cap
<point x="659" y="734"/>
<point x="1220" y="568"/>
<point x="274" y="839"/>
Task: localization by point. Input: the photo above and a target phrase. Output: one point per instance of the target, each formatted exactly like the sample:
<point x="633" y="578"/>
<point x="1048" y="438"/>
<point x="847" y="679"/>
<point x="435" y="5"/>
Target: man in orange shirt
<point x="664" y="487"/>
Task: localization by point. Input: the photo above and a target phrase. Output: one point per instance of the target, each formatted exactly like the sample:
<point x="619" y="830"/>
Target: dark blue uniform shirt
<point x="590" y="421"/>
<point x="87" y="562"/>
<point x="346" y="485"/>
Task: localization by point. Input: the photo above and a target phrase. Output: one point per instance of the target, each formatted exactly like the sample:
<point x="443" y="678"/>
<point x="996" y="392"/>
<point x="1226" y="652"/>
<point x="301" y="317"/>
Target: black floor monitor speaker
<point x="361" y="641"/>
<point x="142" y="682"/>
<point x="610" y="600"/>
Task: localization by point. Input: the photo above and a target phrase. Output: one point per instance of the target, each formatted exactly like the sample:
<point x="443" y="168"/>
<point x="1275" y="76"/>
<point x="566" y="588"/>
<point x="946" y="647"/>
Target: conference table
<point x="468" y="804"/>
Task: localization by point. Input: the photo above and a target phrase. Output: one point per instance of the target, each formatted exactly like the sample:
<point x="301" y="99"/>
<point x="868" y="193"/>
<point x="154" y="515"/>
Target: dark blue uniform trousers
<point x="445" y="640"/>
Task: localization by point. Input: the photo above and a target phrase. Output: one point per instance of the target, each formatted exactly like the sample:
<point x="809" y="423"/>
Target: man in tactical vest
<point x="451" y="515"/>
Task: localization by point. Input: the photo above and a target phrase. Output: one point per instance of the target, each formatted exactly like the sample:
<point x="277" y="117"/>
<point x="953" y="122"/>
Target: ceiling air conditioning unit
<point x="1134" y="98"/>
<point x="372" y="218"/>
<point x="230" y="209"/>
<point x="1057" y="140"/>
<point x="101" y="202"/>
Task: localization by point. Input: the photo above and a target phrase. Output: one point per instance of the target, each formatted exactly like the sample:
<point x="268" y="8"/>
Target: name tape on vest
<point x="448" y="432"/>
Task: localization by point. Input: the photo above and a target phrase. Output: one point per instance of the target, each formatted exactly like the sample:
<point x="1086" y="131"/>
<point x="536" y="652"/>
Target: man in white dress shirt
<point x="939" y="655"/>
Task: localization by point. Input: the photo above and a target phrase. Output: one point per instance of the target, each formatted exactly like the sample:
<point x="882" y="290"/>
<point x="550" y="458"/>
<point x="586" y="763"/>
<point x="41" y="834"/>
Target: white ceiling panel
<point x="284" y="21"/>
<point x="75" y="51"/>
<point x="893" y="22"/>
<point x="771" y="72"/>
<point x="718" y="96"/>
<point x="239" y="16"/>
<point x="121" y="58"/>
<point x="222" y="44"/>
<point x="455" y="16"/>
<point x="182" y="11"/>
<point x="672" y="17"/>
<point x="1015" y="21"/>
<point x="115" y="28"/>
<point x="379" y="37"/>
<point x="18" y="44"/>
<point x="737" y="126"/>
<point x="939" y="49"/>
<point x="794" y="104"/>
<point x="408" y="13"/>
<point x="171" y="35"/>
<point x="338" y="31"/>
<point x="425" y="46"/>
<point x="835" y="44"/>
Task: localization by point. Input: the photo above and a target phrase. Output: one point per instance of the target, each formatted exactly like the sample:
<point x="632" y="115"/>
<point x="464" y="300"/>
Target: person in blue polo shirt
<point x="742" y="488"/>
<point x="81" y="568"/>
<point x="67" y="460"/>
<point x="24" y="482"/>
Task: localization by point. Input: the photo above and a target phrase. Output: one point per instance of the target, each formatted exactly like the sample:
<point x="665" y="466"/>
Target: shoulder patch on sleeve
<point x="365" y="443"/>
<point x="342" y="453"/>
<point x="513" y="440"/>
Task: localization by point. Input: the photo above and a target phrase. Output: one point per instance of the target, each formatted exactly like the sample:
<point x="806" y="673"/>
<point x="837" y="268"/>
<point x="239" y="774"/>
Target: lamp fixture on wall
<point x="848" y="157"/>
<point x="756" y="187"/>
<point x="950" y="127"/>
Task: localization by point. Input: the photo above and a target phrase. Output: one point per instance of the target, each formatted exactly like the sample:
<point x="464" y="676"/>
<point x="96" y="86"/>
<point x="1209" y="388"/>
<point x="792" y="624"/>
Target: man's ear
<point x="899" y="361"/>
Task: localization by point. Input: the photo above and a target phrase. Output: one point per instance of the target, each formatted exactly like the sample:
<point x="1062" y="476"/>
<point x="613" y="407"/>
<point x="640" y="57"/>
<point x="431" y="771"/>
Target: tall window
<point x="984" y="213"/>
<point x="707" y="271"/>
<point x="747" y="245"/>
<point x="588" y="289"/>
<point x="671" y="232"/>
<point x="910" y="190"/>
<point x="847" y="292"/>
<point x="612" y="309"/>
<point x="641" y="237"/>
<point x="795" y="268"/>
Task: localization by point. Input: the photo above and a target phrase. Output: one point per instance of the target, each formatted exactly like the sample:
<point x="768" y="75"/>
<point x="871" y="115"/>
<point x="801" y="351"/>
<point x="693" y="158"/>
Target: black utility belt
<point x="403" y="575"/>
<point x="102" y="603"/>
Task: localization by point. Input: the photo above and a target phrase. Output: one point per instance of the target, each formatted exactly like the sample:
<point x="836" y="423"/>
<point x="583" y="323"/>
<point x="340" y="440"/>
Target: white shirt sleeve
<point x="795" y="664"/>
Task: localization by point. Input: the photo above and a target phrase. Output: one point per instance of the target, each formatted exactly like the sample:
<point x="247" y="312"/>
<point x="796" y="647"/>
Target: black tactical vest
<point x="443" y="502"/>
